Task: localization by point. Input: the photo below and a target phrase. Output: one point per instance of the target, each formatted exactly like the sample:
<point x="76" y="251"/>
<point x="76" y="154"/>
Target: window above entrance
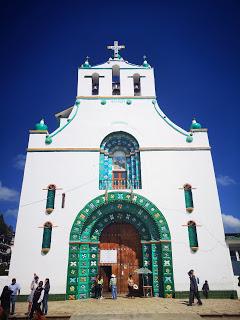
<point x="119" y="166"/>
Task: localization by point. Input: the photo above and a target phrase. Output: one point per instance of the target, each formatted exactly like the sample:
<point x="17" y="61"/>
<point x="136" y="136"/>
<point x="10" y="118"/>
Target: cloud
<point x="7" y="194"/>
<point x="231" y="223"/>
<point x="19" y="161"/>
<point x="11" y="213"/>
<point x="225" y="180"/>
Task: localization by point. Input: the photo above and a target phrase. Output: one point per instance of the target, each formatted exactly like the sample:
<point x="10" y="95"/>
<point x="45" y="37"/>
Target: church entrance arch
<point x="119" y="208"/>
<point x="122" y="241"/>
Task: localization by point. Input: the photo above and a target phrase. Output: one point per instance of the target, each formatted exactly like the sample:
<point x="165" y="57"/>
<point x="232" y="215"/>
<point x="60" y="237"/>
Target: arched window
<point x="120" y="166"/>
<point x="47" y="235"/>
<point x="115" y="80"/>
<point x="192" y="235"/>
<point x="95" y="84"/>
<point x="50" y="198"/>
<point x="119" y="170"/>
<point x="136" y="84"/>
<point x="188" y="197"/>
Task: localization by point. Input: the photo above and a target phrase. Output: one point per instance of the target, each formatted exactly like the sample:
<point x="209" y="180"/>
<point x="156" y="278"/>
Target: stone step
<point x="137" y="316"/>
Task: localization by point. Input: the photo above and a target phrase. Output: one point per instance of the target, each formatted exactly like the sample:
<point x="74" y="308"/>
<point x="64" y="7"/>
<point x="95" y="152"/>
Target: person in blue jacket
<point x="193" y="289"/>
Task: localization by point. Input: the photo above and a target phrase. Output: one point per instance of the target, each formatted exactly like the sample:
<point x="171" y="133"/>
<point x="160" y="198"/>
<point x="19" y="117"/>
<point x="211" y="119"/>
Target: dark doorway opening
<point x="106" y="272"/>
<point x="124" y="238"/>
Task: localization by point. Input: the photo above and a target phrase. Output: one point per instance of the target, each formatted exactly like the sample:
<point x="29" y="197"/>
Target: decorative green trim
<point x="48" y="138"/>
<point x="41" y="126"/>
<point x="189" y="138"/>
<point x="188" y="198"/>
<point x="47" y="235"/>
<point x="129" y="102"/>
<point x="130" y="147"/>
<point x="103" y="102"/>
<point x="114" y="97"/>
<point x="93" y="218"/>
<point x="51" y="297"/>
<point x="50" y="200"/>
<point x="213" y="294"/>
<point x="147" y="149"/>
<point x="195" y="125"/>
<point x="192" y="235"/>
<point x="168" y="121"/>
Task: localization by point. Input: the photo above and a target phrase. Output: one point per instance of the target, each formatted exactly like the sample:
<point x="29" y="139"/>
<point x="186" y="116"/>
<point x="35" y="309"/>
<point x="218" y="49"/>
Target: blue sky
<point x="194" y="47"/>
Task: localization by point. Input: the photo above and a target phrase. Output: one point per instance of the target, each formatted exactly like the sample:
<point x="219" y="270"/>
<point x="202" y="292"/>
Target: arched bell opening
<point x="116" y="89"/>
<point x="137" y="84"/>
<point x="95" y="84"/>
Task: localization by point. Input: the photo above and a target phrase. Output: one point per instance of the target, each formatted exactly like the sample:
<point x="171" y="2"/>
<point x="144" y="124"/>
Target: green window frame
<point x="50" y="198"/>
<point x="188" y="197"/>
<point x="192" y="235"/>
<point x="47" y="237"/>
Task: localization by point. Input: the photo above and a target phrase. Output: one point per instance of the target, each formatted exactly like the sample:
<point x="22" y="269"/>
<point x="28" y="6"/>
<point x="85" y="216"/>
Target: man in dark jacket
<point x="193" y="289"/>
<point x="37" y="299"/>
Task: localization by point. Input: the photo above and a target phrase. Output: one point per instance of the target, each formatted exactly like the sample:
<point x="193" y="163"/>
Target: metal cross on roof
<point x="116" y="48"/>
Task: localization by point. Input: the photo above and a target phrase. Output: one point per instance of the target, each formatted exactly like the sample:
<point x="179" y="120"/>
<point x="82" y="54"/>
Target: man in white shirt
<point x="15" y="288"/>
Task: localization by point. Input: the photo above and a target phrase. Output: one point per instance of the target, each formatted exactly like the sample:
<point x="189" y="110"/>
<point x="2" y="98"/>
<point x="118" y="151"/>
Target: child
<point x="205" y="289"/>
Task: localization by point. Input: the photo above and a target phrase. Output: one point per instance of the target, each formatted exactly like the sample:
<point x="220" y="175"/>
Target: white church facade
<point x="116" y="187"/>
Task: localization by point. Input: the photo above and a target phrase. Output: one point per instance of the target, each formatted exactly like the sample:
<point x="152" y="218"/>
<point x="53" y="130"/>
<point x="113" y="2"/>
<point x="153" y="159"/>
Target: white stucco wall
<point x="166" y="167"/>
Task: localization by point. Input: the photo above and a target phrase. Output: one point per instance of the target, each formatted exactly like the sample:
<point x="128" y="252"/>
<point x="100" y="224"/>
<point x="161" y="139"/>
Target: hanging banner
<point x="108" y="256"/>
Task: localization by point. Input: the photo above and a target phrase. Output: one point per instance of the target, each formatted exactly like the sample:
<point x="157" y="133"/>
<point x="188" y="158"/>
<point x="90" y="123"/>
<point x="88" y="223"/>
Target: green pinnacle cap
<point x="189" y="139"/>
<point x="48" y="140"/>
<point x="41" y="125"/>
<point x="86" y="63"/>
<point x="145" y="63"/>
<point x="195" y="124"/>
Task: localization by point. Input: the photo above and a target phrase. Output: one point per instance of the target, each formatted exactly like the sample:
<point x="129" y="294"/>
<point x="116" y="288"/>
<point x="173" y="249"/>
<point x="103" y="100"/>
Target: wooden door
<point x="124" y="238"/>
<point x="119" y="180"/>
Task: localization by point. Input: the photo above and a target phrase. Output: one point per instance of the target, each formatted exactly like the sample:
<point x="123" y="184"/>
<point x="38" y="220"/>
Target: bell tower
<point x="116" y="77"/>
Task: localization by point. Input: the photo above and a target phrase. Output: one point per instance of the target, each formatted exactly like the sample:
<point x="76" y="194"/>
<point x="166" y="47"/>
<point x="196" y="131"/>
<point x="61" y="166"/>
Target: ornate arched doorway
<point x="122" y="244"/>
<point x="119" y="208"/>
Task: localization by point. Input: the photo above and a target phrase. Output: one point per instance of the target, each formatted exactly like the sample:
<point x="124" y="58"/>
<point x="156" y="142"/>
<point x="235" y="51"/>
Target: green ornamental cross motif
<point x="86" y="231"/>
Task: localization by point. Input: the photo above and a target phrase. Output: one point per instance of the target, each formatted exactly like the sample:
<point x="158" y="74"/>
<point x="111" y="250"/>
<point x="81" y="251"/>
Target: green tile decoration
<point x="122" y="207"/>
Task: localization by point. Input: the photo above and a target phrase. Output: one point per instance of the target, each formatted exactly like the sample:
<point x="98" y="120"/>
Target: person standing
<point x="15" y="288"/>
<point x="33" y="286"/>
<point x="113" y="285"/>
<point x="193" y="289"/>
<point x="99" y="287"/>
<point x="130" y="286"/>
<point x="5" y="302"/>
<point x="205" y="289"/>
<point x="37" y="299"/>
<point x="45" y="297"/>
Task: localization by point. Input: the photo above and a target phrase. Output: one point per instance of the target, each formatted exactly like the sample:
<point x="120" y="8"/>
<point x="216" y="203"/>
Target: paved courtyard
<point x="137" y="306"/>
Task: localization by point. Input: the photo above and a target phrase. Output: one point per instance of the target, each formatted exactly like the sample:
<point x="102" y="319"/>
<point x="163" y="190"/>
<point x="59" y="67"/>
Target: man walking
<point x="193" y="289"/>
<point x="15" y="288"/>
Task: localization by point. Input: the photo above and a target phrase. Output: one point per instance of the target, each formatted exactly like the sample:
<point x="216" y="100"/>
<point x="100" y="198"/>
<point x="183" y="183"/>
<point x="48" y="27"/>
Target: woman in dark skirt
<point x="45" y="297"/>
<point x="5" y="302"/>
